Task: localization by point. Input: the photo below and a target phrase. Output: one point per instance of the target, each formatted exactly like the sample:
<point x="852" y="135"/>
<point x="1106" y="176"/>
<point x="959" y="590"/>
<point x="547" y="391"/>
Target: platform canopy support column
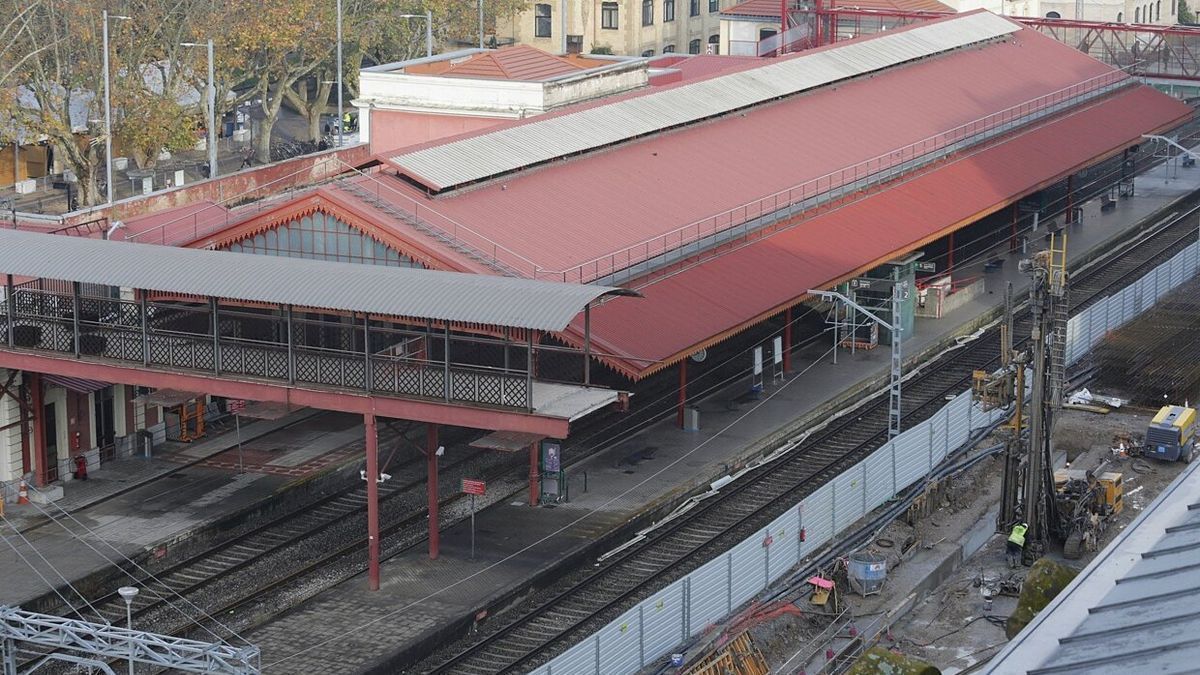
<point x="787" y="340"/>
<point x="372" y="478"/>
<point x="39" y="428"/>
<point x="1012" y="233"/>
<point x="431" y="461"/>
<point x="682" y="393"/>
<point x="950" y="253"/>
<point x="1070" y="199"/>
<point x="534" y="476"/>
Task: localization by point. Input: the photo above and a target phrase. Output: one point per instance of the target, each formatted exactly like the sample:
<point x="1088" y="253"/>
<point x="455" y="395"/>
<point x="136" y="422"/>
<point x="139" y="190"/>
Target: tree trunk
<point x="262" y="143"/>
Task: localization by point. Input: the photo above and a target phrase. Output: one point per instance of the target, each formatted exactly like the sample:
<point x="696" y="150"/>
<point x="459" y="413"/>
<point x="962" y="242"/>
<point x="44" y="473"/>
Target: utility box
<point x="691" y="419"/>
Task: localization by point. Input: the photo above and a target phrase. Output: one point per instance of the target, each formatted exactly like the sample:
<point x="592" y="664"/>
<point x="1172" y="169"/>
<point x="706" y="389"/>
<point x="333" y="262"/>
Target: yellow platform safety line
<point x="739" y="657"/>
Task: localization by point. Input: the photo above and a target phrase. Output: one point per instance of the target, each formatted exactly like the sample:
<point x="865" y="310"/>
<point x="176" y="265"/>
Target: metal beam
<point x="102" y="641"/>
<point x="450" y="414"/>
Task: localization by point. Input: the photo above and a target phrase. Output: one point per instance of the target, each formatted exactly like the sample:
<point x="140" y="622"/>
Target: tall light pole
<point x="341" y="116"/>
<point x="211" y="96"/>
<point x="108" y="185"/>
<point x="128" y="593"/>
<point x="481" y="24"/>
<point x="428" y="16"/>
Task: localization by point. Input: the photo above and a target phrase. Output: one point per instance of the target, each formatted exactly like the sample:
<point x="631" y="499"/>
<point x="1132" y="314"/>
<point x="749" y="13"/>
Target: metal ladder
<point x="426" y="229"/>
<point x="1057" y="339"/>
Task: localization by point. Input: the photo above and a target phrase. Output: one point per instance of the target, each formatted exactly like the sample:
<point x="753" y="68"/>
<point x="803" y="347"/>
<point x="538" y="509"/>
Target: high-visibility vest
<point x="1018" y="534"/>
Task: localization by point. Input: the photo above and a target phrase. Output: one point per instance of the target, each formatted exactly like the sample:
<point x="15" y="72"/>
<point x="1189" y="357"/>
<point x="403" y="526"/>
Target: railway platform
<point x="138" y="505"/>
<point x="349" y="628"/>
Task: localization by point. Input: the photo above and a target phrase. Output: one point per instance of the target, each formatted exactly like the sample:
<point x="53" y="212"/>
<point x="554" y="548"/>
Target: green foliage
<point x="602" y="49"/>
<point x="1186" y="15"/>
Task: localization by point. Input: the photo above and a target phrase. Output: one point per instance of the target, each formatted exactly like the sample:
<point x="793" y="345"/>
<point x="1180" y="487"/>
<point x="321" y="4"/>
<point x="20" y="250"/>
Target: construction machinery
<point x="1069" y="506"/>
<point x="1171" y="435"/>
<point x="1086" y="502"/>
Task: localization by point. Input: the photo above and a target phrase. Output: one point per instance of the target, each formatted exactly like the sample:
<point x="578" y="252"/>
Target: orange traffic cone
<point x="23" y="493"/>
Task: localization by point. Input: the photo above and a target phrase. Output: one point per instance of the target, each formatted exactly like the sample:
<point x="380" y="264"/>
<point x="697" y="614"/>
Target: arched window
<point x="1120" y="17"/>
<point x="694" y="47"/>
<point x="714" y="44"/>
<point x="1158" y="10"/>
<point x="1137" y="14"/>
<point x="669" y="49"/>
<point x="1053" y="15"/>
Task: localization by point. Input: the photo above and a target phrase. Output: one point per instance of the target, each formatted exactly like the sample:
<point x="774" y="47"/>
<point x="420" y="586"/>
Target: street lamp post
<point x="211" y="96"/>
<point x="341" y="115"/>
<point x="481" y="24"/>
<point x="108" y="184"/>
<point x="428" y="16"/>
<point x="128" y="593"/>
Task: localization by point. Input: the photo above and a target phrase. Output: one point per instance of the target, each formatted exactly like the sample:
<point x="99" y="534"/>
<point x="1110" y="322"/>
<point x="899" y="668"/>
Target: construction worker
<point x="1016" y="544"/>
<point x="347" y="123"/>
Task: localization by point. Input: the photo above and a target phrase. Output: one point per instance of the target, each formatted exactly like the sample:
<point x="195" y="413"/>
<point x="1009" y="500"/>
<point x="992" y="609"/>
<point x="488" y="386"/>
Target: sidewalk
<point x="355" y="628"/>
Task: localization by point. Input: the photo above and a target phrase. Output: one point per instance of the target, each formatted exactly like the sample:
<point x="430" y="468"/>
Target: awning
<point x="76" y="384"/>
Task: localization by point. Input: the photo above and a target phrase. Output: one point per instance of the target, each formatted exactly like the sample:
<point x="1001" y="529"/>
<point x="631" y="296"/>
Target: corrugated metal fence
<point x="1086" y="329"/>
<point x="649" y="631"/>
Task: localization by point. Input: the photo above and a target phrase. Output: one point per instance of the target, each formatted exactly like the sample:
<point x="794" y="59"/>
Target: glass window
<point x="765" y="33"/>
<point x="541" y="20"/>
<point x="668" y="10"/>
<point x="608" y="15"/>
<point x="714" y="5"/>
<point x="648" y="53"/>
<point x="669" y="49"/>
<point x="694" y="47"/>
<point x="647" y="12"/>
<point x="714" y="44"/>
<point x="1158" y="10"/>
<point x="693" y="7"/>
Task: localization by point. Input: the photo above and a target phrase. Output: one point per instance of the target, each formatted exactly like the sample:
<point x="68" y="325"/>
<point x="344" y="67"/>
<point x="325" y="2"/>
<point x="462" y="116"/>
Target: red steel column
<point x="431" y="459"/>
<point x="1012" y="235"/>
<point x="950" y="255"/>
<point x="682" y="392"/>
<point x="787" y="340"/>
<point x="533" y="474"/>
<point x="1070" y="199"/>
<point x="39" y="428"/>
<point x="26" y="458"/>
<point x="372" y="502"/>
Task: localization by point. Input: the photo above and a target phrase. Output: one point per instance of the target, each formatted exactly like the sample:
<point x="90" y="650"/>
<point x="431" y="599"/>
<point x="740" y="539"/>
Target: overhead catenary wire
<point x="39" y="574"/>
<point x="143" y="570"/>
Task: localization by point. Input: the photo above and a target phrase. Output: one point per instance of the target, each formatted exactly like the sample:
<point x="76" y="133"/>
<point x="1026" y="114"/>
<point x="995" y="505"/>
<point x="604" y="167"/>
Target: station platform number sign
<point x="473" y="487"/>
<point x="237" y="406"/>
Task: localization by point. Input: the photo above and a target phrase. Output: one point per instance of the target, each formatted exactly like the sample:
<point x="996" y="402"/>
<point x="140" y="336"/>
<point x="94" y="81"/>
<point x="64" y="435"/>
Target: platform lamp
<point x="428" y="16"/>
<point x="108" y="188"/>
<point x="128" y="593"/>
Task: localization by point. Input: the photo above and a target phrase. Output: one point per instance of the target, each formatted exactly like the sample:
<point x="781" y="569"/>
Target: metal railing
<point x="226" y="212"/>
<point x="154" y="335"/>
<point x="836" y="184"/>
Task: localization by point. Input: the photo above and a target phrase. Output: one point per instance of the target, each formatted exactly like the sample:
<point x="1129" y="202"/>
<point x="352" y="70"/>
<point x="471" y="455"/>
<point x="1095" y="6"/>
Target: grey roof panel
<point x="497" y="152"/>
<point x="1134" y="608"/>
<point x="393" y="291"/>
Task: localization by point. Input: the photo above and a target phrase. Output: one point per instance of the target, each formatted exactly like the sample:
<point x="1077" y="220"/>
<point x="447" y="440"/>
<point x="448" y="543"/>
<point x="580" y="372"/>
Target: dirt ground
<point x="955" y="626"/>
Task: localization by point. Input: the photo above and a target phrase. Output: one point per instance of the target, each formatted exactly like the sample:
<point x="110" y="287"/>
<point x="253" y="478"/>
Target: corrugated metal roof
<point x="1133" y="609"/>
<point x="497" y="152"/>
<point x="519" y="62"/>
<point x="701" y="305"/>
<point x="571" y="212"/>
<point x="392" y="291"/>
<point x="770" y="8"/>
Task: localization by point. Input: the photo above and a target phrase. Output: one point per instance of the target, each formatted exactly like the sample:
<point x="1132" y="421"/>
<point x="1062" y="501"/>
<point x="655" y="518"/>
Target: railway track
<point x="582" y="603"/>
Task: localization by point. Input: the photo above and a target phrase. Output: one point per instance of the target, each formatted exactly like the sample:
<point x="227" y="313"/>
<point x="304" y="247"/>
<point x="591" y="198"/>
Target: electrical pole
<point x="341" y="115"/>
<point x="212" y="113"/>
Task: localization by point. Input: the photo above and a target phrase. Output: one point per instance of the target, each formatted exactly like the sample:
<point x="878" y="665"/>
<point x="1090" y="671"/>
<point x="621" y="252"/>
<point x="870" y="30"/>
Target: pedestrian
<point x="1015" y="544"/>
<point x="247" y="158"/>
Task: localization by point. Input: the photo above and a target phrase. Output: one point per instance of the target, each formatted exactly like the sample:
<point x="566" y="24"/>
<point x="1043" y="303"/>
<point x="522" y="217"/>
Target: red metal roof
<point x="769" y="9"/>
<point x="708" y="302"/>
<point x="567" y="213"/>
<point x="520" y="62"/>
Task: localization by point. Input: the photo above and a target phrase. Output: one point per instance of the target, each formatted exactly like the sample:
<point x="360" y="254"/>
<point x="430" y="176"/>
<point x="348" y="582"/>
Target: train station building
<point x="535" y="238"/>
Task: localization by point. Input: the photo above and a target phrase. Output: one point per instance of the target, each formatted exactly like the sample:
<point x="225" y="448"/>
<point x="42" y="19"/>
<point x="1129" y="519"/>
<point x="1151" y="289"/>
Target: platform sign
<point x="925" y="266"/>
<point x="237" y="406"/>
<point x="473" y="487"/>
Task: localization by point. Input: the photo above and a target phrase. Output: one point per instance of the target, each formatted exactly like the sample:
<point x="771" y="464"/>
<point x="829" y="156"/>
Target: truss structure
<point x="95" y="644"/>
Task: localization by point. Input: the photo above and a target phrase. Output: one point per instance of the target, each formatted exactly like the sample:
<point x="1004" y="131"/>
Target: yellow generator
<point x="1171" y="435"/>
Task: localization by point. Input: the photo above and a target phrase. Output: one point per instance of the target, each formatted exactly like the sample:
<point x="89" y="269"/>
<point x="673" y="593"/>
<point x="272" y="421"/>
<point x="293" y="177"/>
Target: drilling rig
<point x="1028" y="492"/>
